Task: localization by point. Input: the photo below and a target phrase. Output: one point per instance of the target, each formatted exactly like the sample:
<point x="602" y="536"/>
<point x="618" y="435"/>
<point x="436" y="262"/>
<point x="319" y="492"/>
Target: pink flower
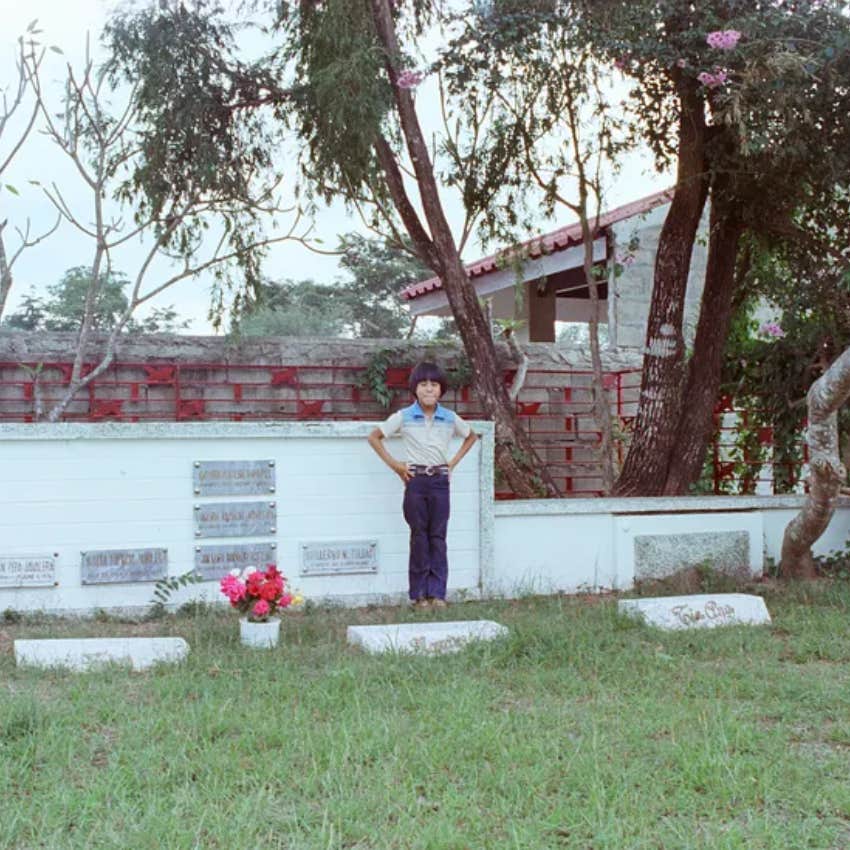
<point x="409" y="79"/>
<point x="771" y="329"/>
<point x="233" y="589"/>
<point x="261" y="608"/>
<point x="711" y="81"/>
<point x="723" y="39"/>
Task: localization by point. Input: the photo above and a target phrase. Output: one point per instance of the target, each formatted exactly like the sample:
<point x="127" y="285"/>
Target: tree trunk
<point x="601" y="404"/>
<point x="514" y="454"/>
<point x="5" y="273"/>
<point x="826" y="473"/>
<point x="645" y="469"/>
<point x="704" y="369"/>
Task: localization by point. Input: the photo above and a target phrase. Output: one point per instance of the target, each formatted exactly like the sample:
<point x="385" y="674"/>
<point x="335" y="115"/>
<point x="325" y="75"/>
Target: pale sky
<point x="65" y="24"/>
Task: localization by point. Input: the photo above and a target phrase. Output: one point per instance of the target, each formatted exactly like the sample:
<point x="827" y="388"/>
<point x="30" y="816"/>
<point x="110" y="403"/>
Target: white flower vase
<point x="259" y="635"/>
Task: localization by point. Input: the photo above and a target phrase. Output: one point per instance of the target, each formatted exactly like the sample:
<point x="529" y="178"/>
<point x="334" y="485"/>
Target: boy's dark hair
<point x="426" y="371"/>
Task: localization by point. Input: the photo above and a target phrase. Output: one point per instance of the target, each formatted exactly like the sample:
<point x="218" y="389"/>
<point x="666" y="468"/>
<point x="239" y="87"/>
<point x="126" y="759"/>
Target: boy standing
<point x="426" y="428"/>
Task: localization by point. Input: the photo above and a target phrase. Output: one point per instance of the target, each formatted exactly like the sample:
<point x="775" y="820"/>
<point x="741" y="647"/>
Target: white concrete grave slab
<point x="699" y="611"/>
<point x="82" y="654"/>
<point x="426" y="638"/>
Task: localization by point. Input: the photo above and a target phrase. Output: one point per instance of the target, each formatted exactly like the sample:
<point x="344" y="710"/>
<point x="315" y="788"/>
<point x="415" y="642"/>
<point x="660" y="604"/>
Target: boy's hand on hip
<point x="402" y="471"/>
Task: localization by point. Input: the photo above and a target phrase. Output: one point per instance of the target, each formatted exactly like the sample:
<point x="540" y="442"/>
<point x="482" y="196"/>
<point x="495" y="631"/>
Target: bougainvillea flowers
<point x="723" y="39"/>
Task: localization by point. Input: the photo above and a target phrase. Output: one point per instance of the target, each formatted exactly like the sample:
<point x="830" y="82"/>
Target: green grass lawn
<point x="580" y="730"/>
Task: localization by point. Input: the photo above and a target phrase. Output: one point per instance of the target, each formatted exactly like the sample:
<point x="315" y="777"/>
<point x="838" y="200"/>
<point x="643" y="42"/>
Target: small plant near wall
<point x="388" y="370"/>
<point x="836" y="564"/>
<point x="374" y="377"/>
<point x="163" y="589"/>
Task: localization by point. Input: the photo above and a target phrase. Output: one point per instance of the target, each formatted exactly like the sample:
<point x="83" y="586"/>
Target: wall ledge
<point x="650" y="505"/>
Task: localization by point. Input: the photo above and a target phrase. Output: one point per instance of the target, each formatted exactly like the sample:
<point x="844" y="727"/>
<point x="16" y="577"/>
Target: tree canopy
<point x="65" y="306"/>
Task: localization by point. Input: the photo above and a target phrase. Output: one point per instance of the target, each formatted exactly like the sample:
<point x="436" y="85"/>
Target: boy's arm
<point x="376" y="441"/>
<point x="465" y="446"/>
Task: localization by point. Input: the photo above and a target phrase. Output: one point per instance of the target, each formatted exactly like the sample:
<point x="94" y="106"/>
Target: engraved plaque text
<point x="338" y="557"/>
<point x="115" y="566"/>
<point x="235" y="519"/>
<point x="233" y="477"/>
<point x="27" y="570"/>
<point x="215" y="562"/>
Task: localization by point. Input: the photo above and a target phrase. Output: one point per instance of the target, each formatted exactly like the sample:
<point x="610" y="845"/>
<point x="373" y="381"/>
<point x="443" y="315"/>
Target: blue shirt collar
<point x="419" y="413"/>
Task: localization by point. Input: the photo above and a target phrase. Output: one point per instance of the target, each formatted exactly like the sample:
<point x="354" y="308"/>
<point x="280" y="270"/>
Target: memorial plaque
<point x="233" y="477"/>
<point x="339" y="557"/>
<point x="235" y="519"/>
<point x="27" y="570"/>
<point x="117" y="566"/>
<point x="215" y="562"/>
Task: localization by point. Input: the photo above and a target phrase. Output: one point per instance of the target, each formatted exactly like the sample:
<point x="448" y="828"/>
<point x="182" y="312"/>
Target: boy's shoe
<point x="420" y="604"/>
<point x="439" y="603"/>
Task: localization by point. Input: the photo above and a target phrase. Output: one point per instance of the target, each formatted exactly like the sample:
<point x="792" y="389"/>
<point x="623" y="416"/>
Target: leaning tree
<point x="338" y="91"/>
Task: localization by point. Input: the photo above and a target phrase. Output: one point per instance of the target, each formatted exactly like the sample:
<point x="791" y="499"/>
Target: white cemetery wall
<point x="92" y="514"/>
<point x="576" y="545"/>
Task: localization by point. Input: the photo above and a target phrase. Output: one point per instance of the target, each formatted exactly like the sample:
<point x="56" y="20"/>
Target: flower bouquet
<point x="256" y="593"/>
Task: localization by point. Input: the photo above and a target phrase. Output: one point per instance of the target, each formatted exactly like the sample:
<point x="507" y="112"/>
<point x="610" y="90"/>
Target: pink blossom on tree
<point x="723" y="39"/>
<point x="771" y="329"/>
<point x="409" y="79"/>
<point x="711" y="81"/>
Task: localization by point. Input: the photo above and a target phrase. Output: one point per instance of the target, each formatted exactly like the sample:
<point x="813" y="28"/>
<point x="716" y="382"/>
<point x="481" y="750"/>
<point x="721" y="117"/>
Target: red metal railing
<point x="554" y="405"/>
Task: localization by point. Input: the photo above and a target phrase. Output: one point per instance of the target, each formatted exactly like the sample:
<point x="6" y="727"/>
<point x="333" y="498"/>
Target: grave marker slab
<point x="699" y="611"/>
<point x="82" y="654"/>
<point x="426" y="638"/>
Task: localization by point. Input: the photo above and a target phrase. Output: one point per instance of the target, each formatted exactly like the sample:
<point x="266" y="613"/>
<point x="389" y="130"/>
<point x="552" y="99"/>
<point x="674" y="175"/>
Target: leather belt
<point x="419" y="469"/>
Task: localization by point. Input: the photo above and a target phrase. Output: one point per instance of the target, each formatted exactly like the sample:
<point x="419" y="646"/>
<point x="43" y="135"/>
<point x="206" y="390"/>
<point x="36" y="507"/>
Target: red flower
<point x="269" y="590"/>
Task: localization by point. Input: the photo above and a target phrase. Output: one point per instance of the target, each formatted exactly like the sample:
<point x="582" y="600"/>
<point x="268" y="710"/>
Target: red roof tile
<point x="548" y="243"/>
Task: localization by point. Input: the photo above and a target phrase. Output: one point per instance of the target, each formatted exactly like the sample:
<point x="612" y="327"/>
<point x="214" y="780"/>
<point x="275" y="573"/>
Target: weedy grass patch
<point x="581" y="729"/>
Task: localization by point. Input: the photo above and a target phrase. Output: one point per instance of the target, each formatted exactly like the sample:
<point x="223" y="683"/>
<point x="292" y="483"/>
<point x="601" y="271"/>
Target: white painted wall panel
<point x="553" y="553"/>
<point x="68" y="488"/>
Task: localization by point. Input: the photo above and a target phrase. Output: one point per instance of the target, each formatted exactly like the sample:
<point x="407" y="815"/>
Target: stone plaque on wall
<point x="27" y="570"/>
<point x="233" y="477"/>
<point x="235" y="519"/>
<point x="215" y="562"/>
<point x="117" y="566"/>
<point x="338" y="557"/>
<point x="659" y="555"/>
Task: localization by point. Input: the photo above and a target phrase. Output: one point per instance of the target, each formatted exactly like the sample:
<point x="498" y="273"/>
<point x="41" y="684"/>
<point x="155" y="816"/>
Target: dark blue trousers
<point x="426" y="510"/>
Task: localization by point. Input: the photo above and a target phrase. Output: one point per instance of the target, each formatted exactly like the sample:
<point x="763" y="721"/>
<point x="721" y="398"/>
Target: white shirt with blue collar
<point x="426" y="438"/>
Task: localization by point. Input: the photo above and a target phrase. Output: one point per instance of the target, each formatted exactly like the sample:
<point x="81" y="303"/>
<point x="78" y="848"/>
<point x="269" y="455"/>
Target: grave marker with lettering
<point x="27" y="570"/>
<point x="233" y="477"/>
<point x="435" y="638"/>
<point x="215" y="562"/>
<point x="235" y="519"/>
<point x="339" y="557"/>
<point x="699" y="611"/>
<point x="120" y="566"/>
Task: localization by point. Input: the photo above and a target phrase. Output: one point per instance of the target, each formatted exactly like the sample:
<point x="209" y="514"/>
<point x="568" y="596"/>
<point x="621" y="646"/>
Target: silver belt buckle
<point x="430" y="470"/>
